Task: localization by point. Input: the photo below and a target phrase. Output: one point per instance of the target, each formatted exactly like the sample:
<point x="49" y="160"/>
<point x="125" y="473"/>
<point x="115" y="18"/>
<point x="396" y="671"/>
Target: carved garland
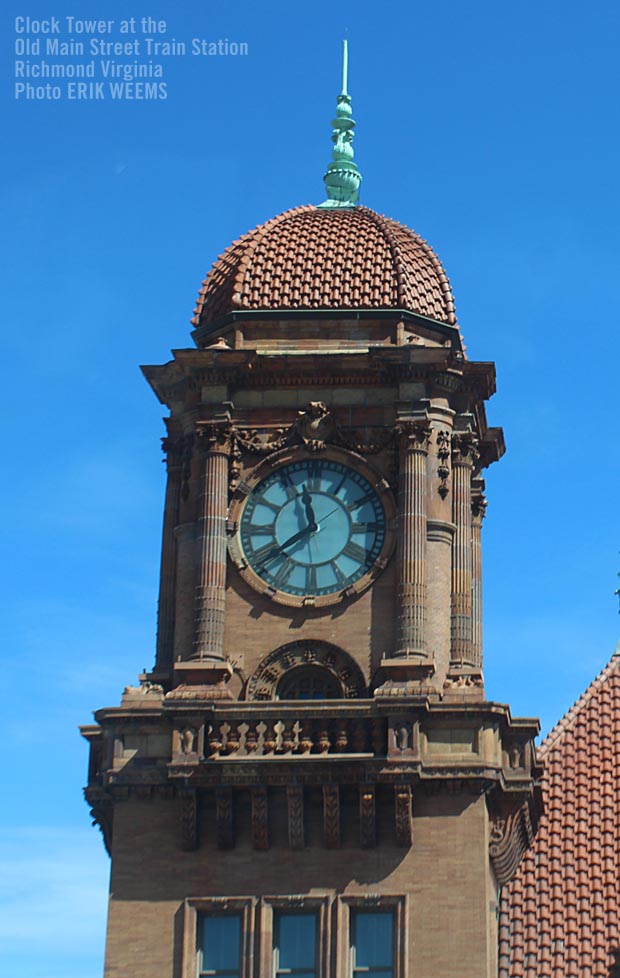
<point x="443" y="457"/>
<point x="263" y="684"/>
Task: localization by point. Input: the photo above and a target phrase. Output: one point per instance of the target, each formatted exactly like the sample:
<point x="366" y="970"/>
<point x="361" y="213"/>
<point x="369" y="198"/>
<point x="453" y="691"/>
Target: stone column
<point x="411" y="544"/>
<point x="185" y="535"/>
<point x="173" y="447"/>
<point x="478" y="509"/>
<point x="214" y="448"/>
<point x="464" y="456"/>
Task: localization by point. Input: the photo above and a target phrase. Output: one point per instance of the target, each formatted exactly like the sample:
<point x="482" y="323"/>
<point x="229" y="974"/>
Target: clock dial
<point x="312" y="527"/>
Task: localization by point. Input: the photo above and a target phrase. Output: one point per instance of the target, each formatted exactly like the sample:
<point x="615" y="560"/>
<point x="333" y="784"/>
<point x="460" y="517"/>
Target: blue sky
<point x="489" y="128"/>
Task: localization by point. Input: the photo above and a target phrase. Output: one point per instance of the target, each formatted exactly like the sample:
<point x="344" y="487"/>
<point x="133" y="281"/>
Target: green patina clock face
<point x="312" y="527"/>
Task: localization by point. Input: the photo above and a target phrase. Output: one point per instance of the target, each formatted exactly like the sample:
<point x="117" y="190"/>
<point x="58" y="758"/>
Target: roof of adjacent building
<point x="560" y="915"/>
<point x="314" y="258"/>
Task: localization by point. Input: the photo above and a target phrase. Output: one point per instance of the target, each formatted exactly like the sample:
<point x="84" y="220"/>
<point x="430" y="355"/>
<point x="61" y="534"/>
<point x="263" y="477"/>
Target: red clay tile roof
<point x="313" y="258"/>
<point x="560" y="914"/>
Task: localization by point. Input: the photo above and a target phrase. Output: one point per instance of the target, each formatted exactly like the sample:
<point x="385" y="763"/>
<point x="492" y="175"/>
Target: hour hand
<point x="307" y="501"/>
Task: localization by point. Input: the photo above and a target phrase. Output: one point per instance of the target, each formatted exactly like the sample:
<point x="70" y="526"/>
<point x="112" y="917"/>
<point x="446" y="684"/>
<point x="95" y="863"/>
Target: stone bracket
<point x="295" y="797"/>
<point x="403" y="814"/>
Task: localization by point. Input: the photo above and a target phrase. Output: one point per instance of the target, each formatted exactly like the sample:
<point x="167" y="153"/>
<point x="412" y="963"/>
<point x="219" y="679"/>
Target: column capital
<point x="414" y="434"/>
<point x="465" y="448"/>
<point x="173" y="447"/>
<point x="478" y="506"/>
<point x="214" y="437"/>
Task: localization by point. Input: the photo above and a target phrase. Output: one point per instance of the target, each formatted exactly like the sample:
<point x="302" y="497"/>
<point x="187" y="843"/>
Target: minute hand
<point x="275" y="551"/>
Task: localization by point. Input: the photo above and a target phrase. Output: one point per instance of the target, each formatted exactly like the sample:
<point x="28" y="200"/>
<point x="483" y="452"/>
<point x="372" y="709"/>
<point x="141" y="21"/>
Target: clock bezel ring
<point x="266" y="468"/>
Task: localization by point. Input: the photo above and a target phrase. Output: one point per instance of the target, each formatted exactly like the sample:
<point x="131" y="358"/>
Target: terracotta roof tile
<point x="560" y="912"/>
<point x="313" y="258"/>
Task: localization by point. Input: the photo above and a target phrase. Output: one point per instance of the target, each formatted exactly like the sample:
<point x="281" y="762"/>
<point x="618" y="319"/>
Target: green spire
<point x="342" y="178"/>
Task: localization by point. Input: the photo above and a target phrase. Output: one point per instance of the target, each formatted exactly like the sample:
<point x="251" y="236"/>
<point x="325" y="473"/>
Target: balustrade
<point x="294" y="734"/>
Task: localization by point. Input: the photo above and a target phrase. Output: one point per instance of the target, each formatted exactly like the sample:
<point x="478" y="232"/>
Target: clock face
<point x="312" y="527"/>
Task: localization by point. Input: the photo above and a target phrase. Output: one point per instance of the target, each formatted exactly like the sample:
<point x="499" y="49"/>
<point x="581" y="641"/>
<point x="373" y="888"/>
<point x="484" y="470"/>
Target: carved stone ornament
<point x="264" y="682"/>
<point x="414" y="434"/>
<point x="464" y="448"/>
<point x="189" y="820"/>
<point x="443" y="460"/>
<point x="331" y="815"/>
<point x="260" y="818"/>
<point x="188" y="740"/>
<point x="295" y="796"/>
<point x="102" y="814"/>
<point x="368" y="827"/>
<point x="478" y="506"/>
<point x="314" y="428"/>
<point x="214" y="436"/>
<point x="146" y="694"/>
<point x="224" y="818"/>
<point x="403" y="814"/>
<point x="510" y="836"/>
<point x="465" y="680"/>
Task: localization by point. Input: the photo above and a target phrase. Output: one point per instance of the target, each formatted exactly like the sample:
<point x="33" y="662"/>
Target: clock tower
<point x="311" y="781"/>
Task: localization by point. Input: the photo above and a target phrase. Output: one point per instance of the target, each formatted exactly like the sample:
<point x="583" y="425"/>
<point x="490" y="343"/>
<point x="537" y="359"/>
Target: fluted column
<point x="411" y="544"/>
<point x="173" y="447"/>
<point x="214" y="448"/>
<point x="464" y="456"/>
<point x="478" y="509"/>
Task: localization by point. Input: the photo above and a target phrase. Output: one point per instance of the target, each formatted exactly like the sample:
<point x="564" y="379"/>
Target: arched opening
<point x="309" y="683"/>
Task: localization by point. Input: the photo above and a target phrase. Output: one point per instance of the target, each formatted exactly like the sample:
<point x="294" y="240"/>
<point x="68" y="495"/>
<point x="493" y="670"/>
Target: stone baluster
<point x="464" y="457"/>
<point x="214" y="446"/>
<point x="411" y="546"/>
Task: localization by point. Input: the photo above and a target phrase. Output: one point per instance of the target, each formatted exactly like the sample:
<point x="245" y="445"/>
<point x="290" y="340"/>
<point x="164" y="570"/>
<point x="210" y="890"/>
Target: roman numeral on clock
<point x="359" y="502"/>
<point x="311" y="579"/>
<point x="283" y="572"/>
<point x="364" y="527"/>
<point x="261" y="531"/>
<point x="355" y="552"/>
<point x="287" y="484"/>
<point x="266" y="552"/>
<point x="315" y="474"/>
<point x="340" y="577"/>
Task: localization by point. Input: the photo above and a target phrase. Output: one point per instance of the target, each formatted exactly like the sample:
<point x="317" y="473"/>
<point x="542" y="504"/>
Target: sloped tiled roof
<point x="313" y="258"/>
<point x="560" y="914"/>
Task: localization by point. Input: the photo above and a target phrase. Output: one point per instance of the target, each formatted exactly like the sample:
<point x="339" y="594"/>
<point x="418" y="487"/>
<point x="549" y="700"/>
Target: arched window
<point x="309" y="683"/>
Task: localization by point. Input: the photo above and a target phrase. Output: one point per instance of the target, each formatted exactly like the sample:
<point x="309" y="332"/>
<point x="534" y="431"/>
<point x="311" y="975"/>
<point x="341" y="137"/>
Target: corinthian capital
<point x="414" y="434"/>
<point x="465" y="448"/>
<point x="214" y="436"/>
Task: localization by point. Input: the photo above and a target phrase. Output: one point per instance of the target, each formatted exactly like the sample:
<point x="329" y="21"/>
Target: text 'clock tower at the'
<point x="311" y="781"/>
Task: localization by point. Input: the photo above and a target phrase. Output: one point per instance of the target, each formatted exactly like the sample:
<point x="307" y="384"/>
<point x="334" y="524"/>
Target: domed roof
<point x="327" y="258"/>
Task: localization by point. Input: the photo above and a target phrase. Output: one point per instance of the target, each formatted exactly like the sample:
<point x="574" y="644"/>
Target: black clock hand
<point x="296" y="537"/>
<point x="307" y="501"/>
